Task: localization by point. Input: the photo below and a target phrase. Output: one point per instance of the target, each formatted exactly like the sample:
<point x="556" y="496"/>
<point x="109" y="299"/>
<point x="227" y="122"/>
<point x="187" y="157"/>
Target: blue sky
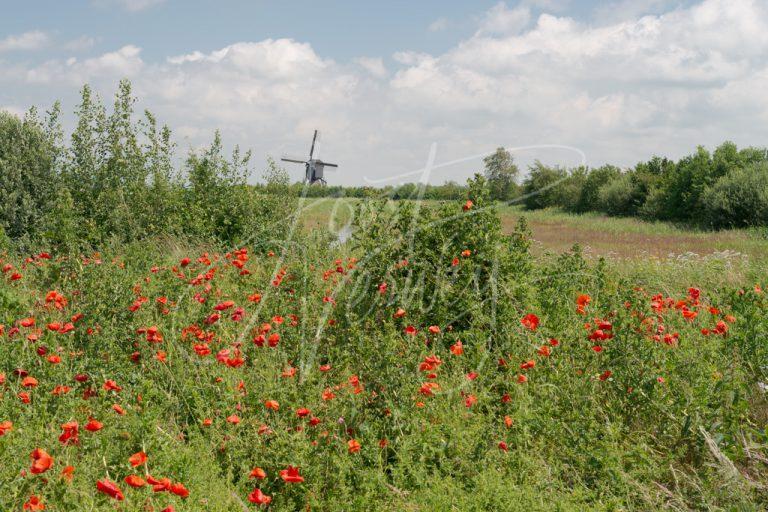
<point x="609" y="81"/>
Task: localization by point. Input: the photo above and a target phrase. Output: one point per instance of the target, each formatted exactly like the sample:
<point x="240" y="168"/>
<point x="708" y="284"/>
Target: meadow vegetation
<point x="184" y="341"/>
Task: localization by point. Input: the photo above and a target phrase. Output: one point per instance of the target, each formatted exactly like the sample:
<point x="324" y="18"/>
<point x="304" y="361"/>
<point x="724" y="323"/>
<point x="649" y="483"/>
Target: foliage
<point x="543" y="187"/>
<point x="739" y="198"/>
<point x="501" y="174"/>
<point x="398" y="372"/>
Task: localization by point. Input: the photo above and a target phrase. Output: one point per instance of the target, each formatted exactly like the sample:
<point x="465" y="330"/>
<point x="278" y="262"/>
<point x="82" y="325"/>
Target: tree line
<point x="117" y="180"/>
<point x="725" y="188"/>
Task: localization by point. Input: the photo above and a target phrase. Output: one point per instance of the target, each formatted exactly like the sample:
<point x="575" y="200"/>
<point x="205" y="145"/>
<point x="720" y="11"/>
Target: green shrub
<point x="543" y="186"/>
<point x="738" y="199"/>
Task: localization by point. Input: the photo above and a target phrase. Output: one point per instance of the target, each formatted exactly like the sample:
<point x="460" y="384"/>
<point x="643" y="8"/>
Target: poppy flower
<point x="522" y="379"/>
<point x="353" y="446"/>
<point x="70" y="433"/>
<point x="68" y="473"/>
<point x="135" y="481"/>
<point x="272" y="404"/>
<point x="258" y="474"/>
<point x="5" y="427"/>
<point x="468" y="205"/>
<point x="34" y="503"/>
<point x="400" y="313"/>
<point x="223" y="306"/>
<point x="457" y="348"/>
<point x="110" y="385"/>
<point x="41" y="461"/>
<point x="291" y="475"/>
<point x="29" y="382"/>
<point x="530" y="321"/>
<point x="410" y="330"/>
<point x="605" y="375"/>
<point x="233" y="419"/>
<point x="503" y="446"/>
<point x="137" y="459"/>
<point x="110" y="489"/>
<point x="118" y="409"/>
<point x="434" y="329"/>
<point x="302" y="412"/>
<point x="259" y="497"/>
<point x="178" y="489"/>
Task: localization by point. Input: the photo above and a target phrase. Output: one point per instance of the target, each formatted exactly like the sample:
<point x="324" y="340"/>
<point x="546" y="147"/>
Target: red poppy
<point x="70" y="433"/>
<point x="68" y="473"/>
<point x="530" y="321"/>
<point x="353" y="446"/>
<point x="259" y="497"/>
<point x="41" y="461"/>
<point x="291" y="475"/>
<point x="178" y="489"/>
<point x="258" y="474"/>
<point x="272" y="404"/>
<point x="29" y="382"/>
<point x="137" y="459"/>
<point x="34" y="503"/>
<point x="135" y="481"/>
<point x="110" y="489"/>
<point x="5" y="427"/>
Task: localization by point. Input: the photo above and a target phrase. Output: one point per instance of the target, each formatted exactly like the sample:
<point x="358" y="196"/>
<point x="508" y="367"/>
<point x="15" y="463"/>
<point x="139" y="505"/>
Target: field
<point x="442" y="357"/>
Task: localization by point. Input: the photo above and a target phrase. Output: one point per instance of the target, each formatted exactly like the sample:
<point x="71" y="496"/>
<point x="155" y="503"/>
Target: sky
<point x="395" y="85"/>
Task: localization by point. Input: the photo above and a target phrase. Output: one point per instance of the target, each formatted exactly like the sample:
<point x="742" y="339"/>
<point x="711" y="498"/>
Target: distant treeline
<point x="447" y="191"/>
<point x="721" y="189"/>
<point x="116" y="178"/>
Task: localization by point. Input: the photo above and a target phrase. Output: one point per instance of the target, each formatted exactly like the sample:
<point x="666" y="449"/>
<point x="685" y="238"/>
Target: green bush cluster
<point x="723" y="189"/>
<point x="118" y="180"/>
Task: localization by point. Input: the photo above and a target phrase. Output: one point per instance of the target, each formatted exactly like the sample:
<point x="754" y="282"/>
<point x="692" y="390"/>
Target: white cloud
<point x="80" y="44"/>
<point x="620" y="91"/>
<point x="438" y="25"/>
<point x="374" y="66"/>
<point x="31" y="40"/>
<point x="129" y="5"/>
<point x="502" y="20"/>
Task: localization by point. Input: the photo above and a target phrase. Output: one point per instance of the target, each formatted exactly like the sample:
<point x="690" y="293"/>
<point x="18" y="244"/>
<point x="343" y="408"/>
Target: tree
<point x="27" y="178"/>
<point x="501" y="173"/>
<point x="543" y="186"/>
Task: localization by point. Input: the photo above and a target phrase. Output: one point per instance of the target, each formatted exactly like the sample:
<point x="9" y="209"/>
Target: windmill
<point x="313" y="167"/>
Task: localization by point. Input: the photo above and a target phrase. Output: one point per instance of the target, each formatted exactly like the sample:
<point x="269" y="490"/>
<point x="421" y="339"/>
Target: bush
<point x="595" y="180"/>
<point x="543" y="186"/>
<point x="27" y="178"/>
<point x="738" y="199"/>
<point x="623" y="196"/>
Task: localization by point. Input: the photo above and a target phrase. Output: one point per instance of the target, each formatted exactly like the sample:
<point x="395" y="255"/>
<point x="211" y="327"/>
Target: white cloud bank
<point x="620" y="91"/>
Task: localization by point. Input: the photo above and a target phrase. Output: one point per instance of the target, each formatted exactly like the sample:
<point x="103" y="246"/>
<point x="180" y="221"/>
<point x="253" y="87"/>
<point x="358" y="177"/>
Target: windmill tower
<point x="314" y="167"/>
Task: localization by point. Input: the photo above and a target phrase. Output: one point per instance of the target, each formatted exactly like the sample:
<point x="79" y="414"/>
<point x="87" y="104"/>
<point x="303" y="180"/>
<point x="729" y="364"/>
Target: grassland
<point x="624" y="239"/>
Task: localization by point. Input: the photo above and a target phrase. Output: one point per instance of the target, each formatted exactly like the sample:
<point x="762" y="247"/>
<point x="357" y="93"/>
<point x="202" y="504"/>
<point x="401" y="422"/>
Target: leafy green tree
<point x="27" y="177"/>
<point x="596" y="179"/>
<point x="542" y="187"/>
<point x="501" y="173"/>
<point x="738" y="199"/>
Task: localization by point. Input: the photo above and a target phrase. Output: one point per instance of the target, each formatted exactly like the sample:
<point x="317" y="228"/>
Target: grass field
<point x="613" y="237"/>
<point x="454" y="370"/>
